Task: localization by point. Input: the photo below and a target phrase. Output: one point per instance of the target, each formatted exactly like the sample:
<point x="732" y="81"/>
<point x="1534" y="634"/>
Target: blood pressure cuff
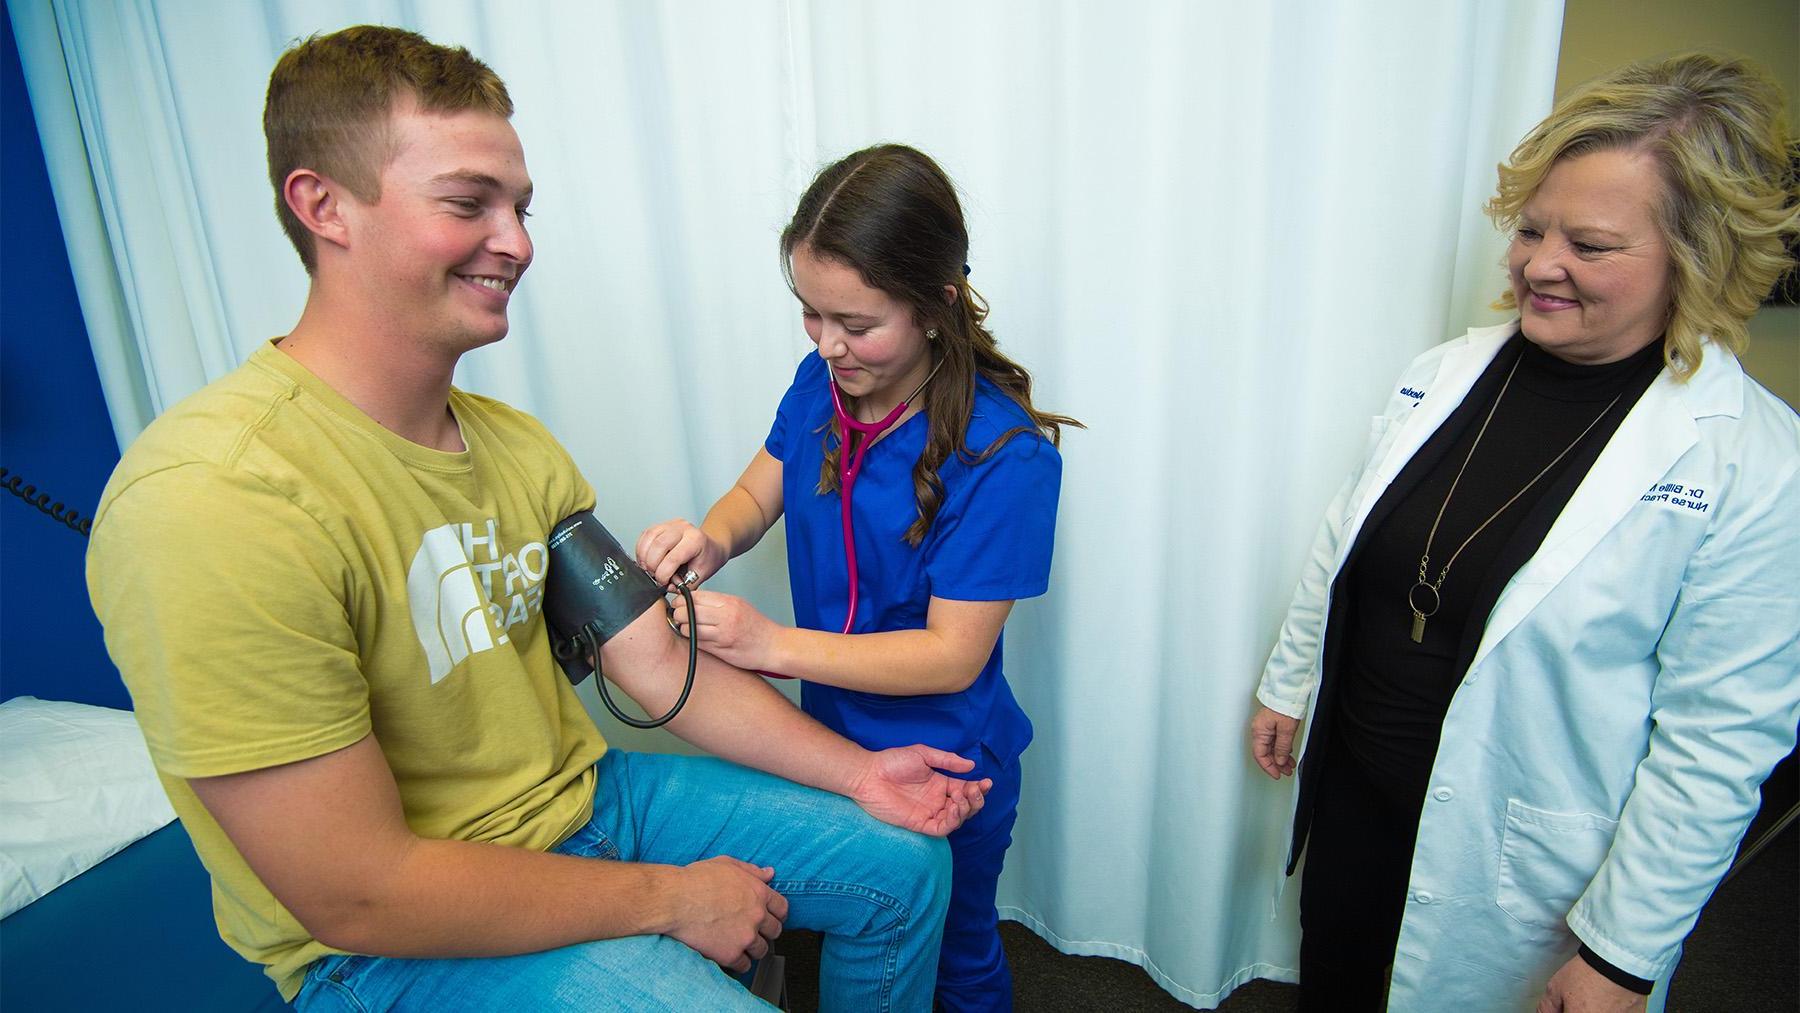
<point x="593" y="590"/>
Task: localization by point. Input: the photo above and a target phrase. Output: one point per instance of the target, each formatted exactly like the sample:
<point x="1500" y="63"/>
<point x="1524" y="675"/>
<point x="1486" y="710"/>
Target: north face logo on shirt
<point x="455" y="587"/>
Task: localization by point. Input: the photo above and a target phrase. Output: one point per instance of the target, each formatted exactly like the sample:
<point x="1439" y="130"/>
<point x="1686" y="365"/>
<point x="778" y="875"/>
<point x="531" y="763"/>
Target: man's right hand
<point x="668" y="549"/>
<point x="727" y="911"/>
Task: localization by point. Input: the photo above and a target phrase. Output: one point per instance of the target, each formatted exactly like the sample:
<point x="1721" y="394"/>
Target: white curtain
<point x="1213" y="230"/>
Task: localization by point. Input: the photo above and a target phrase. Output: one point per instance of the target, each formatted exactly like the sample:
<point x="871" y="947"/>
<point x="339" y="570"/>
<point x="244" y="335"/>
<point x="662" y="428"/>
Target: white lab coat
<point x="1637" y="679"/>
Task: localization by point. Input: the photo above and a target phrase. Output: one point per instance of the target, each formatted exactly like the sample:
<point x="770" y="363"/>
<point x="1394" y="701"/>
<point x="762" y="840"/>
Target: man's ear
<point x="316" y="201"/>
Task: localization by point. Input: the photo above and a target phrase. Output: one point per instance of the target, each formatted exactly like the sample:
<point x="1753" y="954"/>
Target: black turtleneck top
<point x="1395" y="692"/>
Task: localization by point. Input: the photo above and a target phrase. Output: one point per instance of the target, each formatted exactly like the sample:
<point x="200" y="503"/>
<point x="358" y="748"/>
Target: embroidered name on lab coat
<point x="1675" y="494"/>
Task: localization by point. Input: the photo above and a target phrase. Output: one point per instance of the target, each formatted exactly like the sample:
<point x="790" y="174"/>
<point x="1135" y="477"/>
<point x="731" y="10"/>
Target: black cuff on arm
<point x="1641" y="986"/>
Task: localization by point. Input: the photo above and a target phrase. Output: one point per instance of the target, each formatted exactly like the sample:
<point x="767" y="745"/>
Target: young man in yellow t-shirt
<point x="322" y="579"/>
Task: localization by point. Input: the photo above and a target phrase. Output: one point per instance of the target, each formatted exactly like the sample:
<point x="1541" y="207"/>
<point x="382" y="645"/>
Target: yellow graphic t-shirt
<point x="279" y="576"/>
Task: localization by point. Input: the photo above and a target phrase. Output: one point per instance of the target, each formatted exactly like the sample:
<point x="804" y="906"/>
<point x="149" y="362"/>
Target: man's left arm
<point x="739" y="717"/>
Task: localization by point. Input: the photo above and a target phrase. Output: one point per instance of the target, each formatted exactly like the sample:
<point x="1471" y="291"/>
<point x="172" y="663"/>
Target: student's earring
<point x="931" y="335"/>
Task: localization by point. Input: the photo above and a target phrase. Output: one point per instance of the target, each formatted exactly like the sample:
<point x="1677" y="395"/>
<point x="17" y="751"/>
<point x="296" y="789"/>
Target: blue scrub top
<point x="990" y="541"/>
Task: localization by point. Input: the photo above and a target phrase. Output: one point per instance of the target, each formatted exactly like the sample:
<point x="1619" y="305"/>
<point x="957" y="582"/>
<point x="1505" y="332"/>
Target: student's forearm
<point x="468" y="899"/>
<point x="736" y="522"/>
<point x="897" y="663"/>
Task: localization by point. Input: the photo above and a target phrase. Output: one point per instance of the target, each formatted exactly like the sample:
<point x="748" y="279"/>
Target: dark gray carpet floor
<point x="1743" y="956"/>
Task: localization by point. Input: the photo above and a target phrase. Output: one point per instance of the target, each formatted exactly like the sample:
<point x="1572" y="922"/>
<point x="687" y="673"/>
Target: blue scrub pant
<point x="972" y="970"/>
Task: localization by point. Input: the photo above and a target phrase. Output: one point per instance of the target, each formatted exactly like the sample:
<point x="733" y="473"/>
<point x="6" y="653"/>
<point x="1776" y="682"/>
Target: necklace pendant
<point x="1419" y="614"/>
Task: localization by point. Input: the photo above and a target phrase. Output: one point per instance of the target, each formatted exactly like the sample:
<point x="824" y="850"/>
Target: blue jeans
<point x="878" y="894"/>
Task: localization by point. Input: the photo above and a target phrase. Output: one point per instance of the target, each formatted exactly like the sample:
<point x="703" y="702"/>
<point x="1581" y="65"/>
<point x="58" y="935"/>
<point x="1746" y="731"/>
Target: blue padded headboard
<point x="57" y="434"/>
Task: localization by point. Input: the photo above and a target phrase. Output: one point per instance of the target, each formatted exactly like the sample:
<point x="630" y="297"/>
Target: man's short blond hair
<point x="331" y="98"/>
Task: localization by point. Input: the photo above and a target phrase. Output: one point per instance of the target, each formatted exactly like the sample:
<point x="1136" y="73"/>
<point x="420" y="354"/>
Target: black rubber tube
<point x="593" y="645"/>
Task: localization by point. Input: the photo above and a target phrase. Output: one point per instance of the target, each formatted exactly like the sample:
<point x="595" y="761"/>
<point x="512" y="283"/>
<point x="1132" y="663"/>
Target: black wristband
<point x="1641" y="986"/>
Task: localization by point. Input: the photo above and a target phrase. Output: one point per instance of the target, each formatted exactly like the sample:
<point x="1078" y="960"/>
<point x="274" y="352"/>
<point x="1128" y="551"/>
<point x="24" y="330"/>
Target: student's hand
<point x="727" y="911"/>
<point x="1578" y="988"/>
<point x="729" y="628"/>
<point x="671" y="548"/>
<point x="900" y="786"/>
<point x="1272" y="742"/>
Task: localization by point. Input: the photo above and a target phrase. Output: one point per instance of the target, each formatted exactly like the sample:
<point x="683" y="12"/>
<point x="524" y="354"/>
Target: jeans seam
<point x="903" y="918"/>
<point x="346" y="993"/>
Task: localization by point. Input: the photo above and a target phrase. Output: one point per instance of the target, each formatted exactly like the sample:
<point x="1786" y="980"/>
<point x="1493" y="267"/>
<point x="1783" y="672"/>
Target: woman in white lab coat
<point x="1549" y="634"/>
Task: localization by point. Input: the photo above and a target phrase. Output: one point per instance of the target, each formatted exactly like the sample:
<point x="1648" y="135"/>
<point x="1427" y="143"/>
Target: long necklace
<point x="1431" y="587"/>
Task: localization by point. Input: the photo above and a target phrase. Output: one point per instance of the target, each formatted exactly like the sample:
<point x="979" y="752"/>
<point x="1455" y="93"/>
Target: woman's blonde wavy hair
<point x="1718" y="130"/>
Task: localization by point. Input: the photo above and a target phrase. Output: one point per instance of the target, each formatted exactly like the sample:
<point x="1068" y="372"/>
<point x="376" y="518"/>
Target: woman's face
<point x="1590" y="269"/>
<point x="874" y="346"/>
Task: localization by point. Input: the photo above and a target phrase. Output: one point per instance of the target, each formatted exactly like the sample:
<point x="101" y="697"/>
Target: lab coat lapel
<point x="1457" y="372"/>
<point x="1657" y="431"/>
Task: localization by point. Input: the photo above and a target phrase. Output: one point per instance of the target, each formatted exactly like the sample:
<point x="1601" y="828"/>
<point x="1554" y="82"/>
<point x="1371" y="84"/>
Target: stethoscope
<point x="849" y="466"/>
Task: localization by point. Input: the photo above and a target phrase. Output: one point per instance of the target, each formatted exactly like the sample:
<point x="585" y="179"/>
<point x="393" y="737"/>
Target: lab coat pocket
<point x="1379" y="426"/>
<point x="1546" y="861"/>
<point x="1375" y="446"/>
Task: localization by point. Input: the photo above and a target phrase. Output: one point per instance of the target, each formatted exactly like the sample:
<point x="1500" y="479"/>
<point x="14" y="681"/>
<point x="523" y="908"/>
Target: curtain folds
<point x="1213" y="231"/>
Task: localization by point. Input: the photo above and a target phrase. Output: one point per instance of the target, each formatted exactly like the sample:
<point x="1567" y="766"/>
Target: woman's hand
<point x="1578" y="988"/>
<point x="1272" y="742"/>
<point x="668" y="549"/>
<point x="729" y="628"/>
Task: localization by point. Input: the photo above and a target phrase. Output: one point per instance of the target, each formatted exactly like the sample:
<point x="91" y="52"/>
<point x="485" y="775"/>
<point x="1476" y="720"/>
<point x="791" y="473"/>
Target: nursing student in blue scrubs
<point x="954" y="479"/>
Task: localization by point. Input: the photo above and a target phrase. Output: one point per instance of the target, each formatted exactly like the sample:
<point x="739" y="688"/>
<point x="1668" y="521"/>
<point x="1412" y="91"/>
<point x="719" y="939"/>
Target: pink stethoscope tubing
<point x="849" y="466"/>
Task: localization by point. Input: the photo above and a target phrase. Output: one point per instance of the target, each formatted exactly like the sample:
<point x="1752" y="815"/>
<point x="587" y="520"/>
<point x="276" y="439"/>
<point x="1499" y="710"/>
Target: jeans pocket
<point x="1546" y="861"/>
<point x="330" y="984"/>
<point x="589" y="841"/>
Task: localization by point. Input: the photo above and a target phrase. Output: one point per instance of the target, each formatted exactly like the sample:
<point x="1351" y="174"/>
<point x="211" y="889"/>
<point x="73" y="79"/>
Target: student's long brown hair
<point x="891" y="213"/>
